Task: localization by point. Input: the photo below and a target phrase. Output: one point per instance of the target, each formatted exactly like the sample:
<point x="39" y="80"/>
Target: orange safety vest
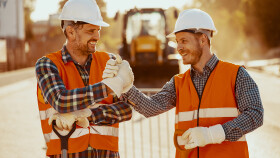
<point x="217" y="106"/>
<point x="107" y="136"/>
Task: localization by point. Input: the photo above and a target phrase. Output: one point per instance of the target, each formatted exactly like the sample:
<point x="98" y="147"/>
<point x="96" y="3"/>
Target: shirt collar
<point x="210" y="65"/>
<point x="66" y="57"/>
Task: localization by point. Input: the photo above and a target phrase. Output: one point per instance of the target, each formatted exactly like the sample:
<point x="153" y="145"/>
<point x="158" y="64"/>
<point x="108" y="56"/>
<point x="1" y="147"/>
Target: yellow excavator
<point x="144" y="43"/>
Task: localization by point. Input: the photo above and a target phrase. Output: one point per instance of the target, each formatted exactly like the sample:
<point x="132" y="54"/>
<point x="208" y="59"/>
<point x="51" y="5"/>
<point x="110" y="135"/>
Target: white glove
<point x="201" y="136"/>
<point x="82" y="122"/>
<point x="123" y="81"/>
<point x="127" y="76"/>
<point x="111" y="69"/>
<point x="66" y="120"/>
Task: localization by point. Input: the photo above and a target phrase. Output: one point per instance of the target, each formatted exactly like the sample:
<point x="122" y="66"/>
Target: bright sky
<point x="114" y="5"/>
<point x="45" y="7"/>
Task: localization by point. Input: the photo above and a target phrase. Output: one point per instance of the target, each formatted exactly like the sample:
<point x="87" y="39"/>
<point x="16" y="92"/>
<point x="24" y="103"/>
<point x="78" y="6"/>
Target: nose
<point x="96" y="35"/>
<point x="179" y="47"/>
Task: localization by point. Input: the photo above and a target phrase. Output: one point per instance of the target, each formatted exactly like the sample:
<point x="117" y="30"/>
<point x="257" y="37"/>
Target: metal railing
<point x="148" y="137"/>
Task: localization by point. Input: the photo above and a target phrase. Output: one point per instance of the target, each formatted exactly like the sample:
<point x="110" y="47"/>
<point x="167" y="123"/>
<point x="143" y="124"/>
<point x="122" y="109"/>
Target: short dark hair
<point x="195" y="33"/>
<point x="74" y="24"/>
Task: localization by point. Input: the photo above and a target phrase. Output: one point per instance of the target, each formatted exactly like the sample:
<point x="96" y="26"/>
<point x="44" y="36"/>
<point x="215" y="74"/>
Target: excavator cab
<point x="145" y="45"/>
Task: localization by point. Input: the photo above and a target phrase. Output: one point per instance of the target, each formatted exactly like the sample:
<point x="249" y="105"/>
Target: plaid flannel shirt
<point x="63" y="100"/>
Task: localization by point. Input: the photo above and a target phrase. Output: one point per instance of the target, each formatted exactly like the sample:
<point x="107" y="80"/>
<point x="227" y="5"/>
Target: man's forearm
<point x="110" y="114"/>
<point x="154" y="105"/>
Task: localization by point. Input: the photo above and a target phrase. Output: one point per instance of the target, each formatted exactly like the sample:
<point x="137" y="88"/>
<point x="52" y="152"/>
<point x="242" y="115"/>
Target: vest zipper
<point x="200" y="97"/>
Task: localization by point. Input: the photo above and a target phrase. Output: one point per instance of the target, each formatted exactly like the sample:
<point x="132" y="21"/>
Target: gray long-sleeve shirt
<point x="246" y="94"/>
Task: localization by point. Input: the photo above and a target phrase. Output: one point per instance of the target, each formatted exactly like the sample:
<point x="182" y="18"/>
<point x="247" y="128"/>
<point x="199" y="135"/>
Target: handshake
<point x="118" y="76"/>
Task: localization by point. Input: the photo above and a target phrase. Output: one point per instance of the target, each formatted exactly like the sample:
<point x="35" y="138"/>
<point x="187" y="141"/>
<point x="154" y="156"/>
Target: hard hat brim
<point x="101" y="23"/>
<point x="97" y="23"/>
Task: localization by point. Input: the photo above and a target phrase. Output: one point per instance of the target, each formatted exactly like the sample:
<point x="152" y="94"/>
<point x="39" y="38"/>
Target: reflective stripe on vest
<point x="182" y="142"/>
<point x="105" y="130"/>
<point x="44" y="115"/>
<point x="100" y="130"/>
<point x="206" y="113"/>
<point x="216" y="106"/>
<point x="107" y="135"/>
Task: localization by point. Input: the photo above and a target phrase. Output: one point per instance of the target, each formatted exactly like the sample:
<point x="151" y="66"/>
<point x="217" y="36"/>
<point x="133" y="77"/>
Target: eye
<point x="184" y="41"/>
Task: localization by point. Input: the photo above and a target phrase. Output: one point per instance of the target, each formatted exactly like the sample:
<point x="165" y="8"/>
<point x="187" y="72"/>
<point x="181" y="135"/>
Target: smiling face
<point x="189" y="47"/>
<point x="86" y="37"/>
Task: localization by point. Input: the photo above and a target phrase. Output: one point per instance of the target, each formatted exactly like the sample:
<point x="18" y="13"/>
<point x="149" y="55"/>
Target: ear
<point x="203" y="39"/>
<point x="71" y="34"/>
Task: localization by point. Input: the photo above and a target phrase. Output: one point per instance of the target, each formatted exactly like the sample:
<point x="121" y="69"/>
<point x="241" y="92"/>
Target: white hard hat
<point x="193" y="19"/>
<point x="82" y="10"/>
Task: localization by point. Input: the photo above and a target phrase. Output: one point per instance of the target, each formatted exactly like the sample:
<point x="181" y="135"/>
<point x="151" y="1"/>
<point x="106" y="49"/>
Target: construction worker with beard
<point x="216" y="102"/>
<point x="71" y="89"/>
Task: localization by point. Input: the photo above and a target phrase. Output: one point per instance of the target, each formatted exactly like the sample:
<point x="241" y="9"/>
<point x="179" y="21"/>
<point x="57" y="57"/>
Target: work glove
<point x="66" y="120"/>
<point x="111" y="69"/>
<point x="126" y="74"/>
<point x="121" y="80"/>
<point x="201" y="136"/>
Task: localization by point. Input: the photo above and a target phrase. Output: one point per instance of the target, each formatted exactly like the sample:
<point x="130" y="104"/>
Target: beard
<point x="82" y="48"/>
<point x="193" y="56"/>
<point x="85" y="48"/>
<point x="196" y="55"/>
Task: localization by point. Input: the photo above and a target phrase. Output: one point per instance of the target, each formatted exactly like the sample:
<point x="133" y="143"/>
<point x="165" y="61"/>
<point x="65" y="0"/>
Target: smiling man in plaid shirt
<point x="216" y="102"/>
<point x="70" y="85"/>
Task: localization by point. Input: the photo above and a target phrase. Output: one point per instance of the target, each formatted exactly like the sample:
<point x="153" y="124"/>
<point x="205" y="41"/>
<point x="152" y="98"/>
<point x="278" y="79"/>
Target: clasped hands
<point x="118" y="76"/>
